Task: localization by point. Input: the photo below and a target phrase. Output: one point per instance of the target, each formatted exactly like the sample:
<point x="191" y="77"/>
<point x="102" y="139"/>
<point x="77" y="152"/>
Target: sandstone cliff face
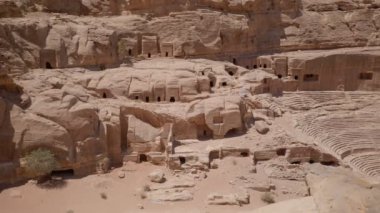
<point x="227" y="30"/>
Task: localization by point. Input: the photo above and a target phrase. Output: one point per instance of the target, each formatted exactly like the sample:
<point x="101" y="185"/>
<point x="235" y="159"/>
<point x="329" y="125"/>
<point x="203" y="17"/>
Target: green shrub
<point x="40" y="162"/>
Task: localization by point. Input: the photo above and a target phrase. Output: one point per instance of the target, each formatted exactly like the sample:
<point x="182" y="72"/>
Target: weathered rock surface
<point x="230" y="199"/>
<point x="157" y="176"/>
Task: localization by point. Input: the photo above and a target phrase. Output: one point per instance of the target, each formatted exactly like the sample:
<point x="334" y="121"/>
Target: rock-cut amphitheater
<point x="190" y="106"/>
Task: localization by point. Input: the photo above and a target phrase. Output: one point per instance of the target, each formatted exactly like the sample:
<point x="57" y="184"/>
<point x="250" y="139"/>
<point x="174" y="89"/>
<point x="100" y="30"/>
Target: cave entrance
<point x="48" y="65"/>
<point x="281" y="152"/>
<point x="143" y="158"/>
<point x="234" y="61"/>
<point x="104" y="95"/>
<point x="172" y="99"/>
<point x="182" y="160"/>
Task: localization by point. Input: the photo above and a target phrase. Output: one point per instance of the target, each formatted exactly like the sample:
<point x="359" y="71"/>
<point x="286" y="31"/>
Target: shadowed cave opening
<point x="182" y="160"/>
<point x="48" y="65"/>
<point x="143" y="158"/>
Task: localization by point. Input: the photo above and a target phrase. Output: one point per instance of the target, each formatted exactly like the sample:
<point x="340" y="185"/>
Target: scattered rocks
<point x="157" y="176"/>
<point x="261" y="127"/>
<point x="121" y="175"/>
<point x="230" y="199"/>
<point x="171" y="195"/>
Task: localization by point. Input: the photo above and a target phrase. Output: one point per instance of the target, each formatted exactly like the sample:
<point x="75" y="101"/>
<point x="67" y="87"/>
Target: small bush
<point x="40" y="162"/>
<point x="267" y="197"/>
<point x="103" y="196"/>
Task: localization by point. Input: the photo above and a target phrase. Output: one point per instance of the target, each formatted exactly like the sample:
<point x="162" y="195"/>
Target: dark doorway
<point x="281" y="152"/>
<point x="224" y="84"/>
<point x="63" y="173"/>
<point x="149" y="55"/>
<point x="247" y="67"/>
<point x="48" y="65"/>
<point x="136" y="97"/>
<point x="166" y="54"/>
<point x="255" y="66"/>
<point x="265" y="66"/>
<point x="159" y="99"/>
<point x="279" y="76"/>
<point x="147" y="99"/>
<point x="182" y="160"/>
<point x="104" y="95"/>
<point x="296" y="77"/>
<point x="234" y="61"/>
<point x="129" y="52"/>
<point x="143" y="158"/>
<point x="211" y="84"/>
<point x="230" y="73"/>
<point x="172" y="99"/>
<point x="244" y="154"/>
<point x="203" y="73"/>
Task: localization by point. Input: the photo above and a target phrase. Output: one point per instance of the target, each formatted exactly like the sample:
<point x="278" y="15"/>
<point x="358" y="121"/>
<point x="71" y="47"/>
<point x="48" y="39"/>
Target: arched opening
<point x="281" y="152"/>
<point x="63" y="173"/>
<point x="211" y="84"/>
<point x="265" y="66"/>
<point x="136" y="97"/>
<point x="130" y="52"/>
<point x="224" y="84"/>
<point x="279" y="76"/>
<point x="104" y="95"/>
<point x="158" y="99"/>
<point x="143" y="158"/>
<point x="166" y="54"/>
<point x="172" y="99"/>
<point x="234" y="61"/>
<point x="255" y="66"/>
<point x="149" y="55"/>
<point x="182" y="160"/>
<point x="48" y="65"/>
<point x="147" y="99"/>
<point x="296" y="77"/>
<point x="232" y="133"/>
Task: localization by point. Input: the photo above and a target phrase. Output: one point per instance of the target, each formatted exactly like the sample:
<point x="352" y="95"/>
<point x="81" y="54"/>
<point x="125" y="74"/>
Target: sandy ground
<point x="84" y="194"/>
